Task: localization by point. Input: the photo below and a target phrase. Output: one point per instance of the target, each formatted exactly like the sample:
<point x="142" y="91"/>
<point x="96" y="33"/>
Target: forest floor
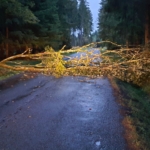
<point x="42" y="112"/>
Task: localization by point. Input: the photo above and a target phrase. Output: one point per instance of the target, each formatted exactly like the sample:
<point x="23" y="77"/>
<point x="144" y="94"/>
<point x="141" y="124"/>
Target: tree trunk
<point x="127" y="43"/>
<point x="26" y="47"/>
<point x="81" y="40"/>
<point x="147" y="29"/>
<point x="7" y="46"/>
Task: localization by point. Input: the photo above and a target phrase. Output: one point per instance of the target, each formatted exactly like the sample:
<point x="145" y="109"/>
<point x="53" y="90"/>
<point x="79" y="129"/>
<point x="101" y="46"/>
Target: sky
<point x="94" y="6"/>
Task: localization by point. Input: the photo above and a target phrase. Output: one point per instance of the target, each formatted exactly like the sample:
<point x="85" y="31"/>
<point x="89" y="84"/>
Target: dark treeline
<point x="126" y="22"/>
<point x="38" y="23"/>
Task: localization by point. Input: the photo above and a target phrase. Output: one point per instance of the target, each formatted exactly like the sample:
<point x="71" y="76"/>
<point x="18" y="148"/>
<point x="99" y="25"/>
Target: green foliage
<point x="15" y="16"/>
<point x="139" y="103"/>
<point x="85" y="23"/>
<point x="95" y="37"/>
<point x="36" y="24"/>
<point x="123" y="21"/>
<point x="53" y="62"/>
<point x="16" y="12"/>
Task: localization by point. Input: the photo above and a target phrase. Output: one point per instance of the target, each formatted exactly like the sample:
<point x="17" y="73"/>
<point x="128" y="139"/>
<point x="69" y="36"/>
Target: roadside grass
<point x="136" y="110"/>
<point x="6" y="73"/>
<point x="29" y="62"/>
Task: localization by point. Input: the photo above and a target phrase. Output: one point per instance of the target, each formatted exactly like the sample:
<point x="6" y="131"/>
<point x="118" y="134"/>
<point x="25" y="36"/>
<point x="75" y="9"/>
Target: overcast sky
<point x="94" y="6"/>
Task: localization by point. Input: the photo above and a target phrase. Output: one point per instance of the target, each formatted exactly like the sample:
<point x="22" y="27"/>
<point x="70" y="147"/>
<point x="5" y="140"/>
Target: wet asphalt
<point x="69" y="113"/>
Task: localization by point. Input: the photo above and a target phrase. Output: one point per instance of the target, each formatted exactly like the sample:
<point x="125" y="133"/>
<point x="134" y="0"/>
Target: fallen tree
<point x="131" y="65"/>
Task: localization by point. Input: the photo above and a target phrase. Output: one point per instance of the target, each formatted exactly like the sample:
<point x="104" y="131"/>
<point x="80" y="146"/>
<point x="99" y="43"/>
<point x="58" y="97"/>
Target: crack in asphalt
<point x="19" y="98"/>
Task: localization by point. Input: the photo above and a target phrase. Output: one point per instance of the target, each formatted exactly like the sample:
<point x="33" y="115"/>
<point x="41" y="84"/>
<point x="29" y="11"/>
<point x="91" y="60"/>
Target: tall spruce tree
<point x="14" y="15"/>
<point x="48" y="29"/>
<point x="37" y="23"/>
<point x="85" y="22"/>
<point x="124" y="21"/>
<point x="65" y="12"/>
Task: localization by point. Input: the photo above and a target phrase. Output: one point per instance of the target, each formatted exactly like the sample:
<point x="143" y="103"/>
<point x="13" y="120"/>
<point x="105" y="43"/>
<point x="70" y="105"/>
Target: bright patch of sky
<point x="94" y="6"/>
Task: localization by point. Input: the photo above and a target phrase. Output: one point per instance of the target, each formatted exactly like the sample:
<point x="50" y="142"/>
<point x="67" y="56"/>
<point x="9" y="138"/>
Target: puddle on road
<point x="98" y="143"/>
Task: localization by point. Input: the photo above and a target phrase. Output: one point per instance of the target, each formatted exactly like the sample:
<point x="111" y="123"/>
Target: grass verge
<point x="136" y="111"/>
<point x="6" y="73"/>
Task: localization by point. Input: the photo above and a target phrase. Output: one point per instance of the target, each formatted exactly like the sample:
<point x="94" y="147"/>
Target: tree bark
<point x="147" y="30"/>
<point x="7" y="46"/>
<point x="127" y="43"/>
<point x="147" y="25"/>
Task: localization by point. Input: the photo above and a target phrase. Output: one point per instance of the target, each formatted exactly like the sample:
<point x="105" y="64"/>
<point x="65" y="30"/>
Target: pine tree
<point x="39" y="23"/>
<point x="14" y="15"/>
<point x="85" y="22"/>
<point x="123" y="21"/>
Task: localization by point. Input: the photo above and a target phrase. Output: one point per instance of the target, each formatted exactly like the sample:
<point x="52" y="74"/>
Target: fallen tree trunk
<point x="127" y="64"/>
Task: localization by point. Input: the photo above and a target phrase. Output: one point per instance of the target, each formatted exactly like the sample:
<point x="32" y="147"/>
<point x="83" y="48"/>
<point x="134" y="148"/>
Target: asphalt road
<point x="69" y="113"/>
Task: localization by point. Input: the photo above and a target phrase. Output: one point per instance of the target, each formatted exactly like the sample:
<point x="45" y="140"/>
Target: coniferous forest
<point x="126" y="22"/>
<point x="38" y="23"/>
<point x="47" y="26"/>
